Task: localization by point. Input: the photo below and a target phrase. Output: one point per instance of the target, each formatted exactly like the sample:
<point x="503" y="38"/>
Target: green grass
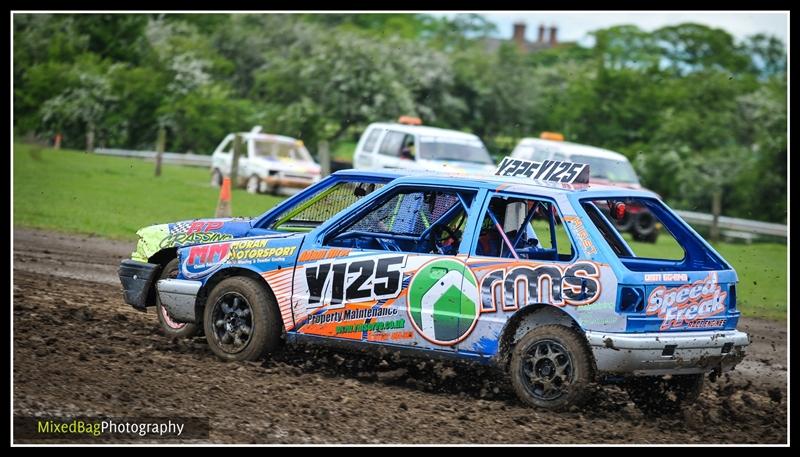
<point x="113" y="197"/>
<point x="76" y="192"/>
<point x="343" y="152"/>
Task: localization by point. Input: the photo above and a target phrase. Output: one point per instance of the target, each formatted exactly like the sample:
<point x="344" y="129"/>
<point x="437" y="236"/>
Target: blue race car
<point x="156" y="250"/>
<point x="524" y="269"/>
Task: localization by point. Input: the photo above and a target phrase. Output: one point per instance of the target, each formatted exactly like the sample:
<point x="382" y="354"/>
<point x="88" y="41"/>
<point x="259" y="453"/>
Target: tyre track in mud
<point x="80" y="350"/>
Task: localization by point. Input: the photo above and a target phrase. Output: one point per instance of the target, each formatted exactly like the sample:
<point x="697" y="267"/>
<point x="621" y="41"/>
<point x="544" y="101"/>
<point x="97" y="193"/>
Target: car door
<point x="388" y="155"/>
<point x="391" y="290"/>
<point x="523" y="255"/>
<point x="366" y="151"/>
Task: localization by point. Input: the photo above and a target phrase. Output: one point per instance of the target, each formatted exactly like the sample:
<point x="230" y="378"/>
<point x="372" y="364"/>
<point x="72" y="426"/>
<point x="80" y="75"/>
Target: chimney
<point x="553" y="32"/>
<point x="519" y="35"/>
<point x="541" y="33"/>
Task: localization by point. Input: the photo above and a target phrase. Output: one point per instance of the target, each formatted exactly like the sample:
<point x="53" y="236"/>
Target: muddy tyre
<point x="241" y="320"/>
<point x="664" y="395"/>
<point x="552" y="367"/>
<point x="171" y="328"/>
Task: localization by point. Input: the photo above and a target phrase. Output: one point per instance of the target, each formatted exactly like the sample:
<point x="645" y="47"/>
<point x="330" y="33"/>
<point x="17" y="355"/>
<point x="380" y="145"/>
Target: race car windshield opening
<point x="281" y="151"/>
<point x="676" y="247"/>
<point x="612" y="170"/>
<point x="458" y="151"/>
<point x="318" y="208"/>
<point x="413" y="220"/>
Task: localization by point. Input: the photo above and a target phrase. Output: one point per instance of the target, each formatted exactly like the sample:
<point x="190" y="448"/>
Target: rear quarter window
<point x="372" y="140"/>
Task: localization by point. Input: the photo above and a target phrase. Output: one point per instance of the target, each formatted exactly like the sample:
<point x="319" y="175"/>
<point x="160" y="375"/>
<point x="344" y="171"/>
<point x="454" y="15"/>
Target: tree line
<point x="698" y="112"/>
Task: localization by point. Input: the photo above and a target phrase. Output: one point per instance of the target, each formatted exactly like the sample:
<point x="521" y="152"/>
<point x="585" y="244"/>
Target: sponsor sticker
<point x="686" y="305"/>
<point x="548" y="170"/>
<point x="443" y="301"/>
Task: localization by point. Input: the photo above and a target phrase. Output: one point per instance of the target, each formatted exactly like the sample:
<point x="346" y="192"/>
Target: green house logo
<point x="443" y="301"/>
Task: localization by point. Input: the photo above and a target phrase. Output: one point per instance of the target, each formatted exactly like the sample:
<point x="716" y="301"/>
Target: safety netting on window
<point x="318" y="208"/>
<point x="407" y="214"/>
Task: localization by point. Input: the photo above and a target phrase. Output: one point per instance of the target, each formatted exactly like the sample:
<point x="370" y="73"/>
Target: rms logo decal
<point x="511" y="289"/>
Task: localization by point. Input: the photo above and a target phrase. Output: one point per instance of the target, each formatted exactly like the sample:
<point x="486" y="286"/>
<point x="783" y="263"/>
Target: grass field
<point x="343" y="152"/>
<point x="75" y="192"/>
<point x="111" y="196"/>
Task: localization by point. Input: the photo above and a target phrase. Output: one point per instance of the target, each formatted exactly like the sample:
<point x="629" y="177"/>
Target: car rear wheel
<point x="253" y="184"/>
<point x="241" y="320"/>
<point x="551" y="367"/>
<point x="664" y="394"/>
<point x="644" y="228"/>
<point x="170" y="327"/>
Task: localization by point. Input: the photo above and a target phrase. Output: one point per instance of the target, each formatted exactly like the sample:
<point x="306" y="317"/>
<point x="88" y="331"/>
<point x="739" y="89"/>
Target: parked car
<point x="521" y="269"/>
<point x="416" y="147"/>
<point x="608" y="167"/>
<point x="156" y="249"/>
<point x="269" y="163"/>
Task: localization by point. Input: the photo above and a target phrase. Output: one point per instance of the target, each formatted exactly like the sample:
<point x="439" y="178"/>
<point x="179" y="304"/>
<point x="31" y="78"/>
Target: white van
<point x="269" y="163"/>
<point x="607" y="167"/>
<point x="416" y="147"/>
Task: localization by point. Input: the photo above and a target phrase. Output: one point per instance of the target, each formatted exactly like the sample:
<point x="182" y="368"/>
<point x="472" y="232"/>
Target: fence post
<point x="324" y="154"/>
<point x="160" y="145"/>
<point x="716" y="210"/>
<point x="237" y="151"/>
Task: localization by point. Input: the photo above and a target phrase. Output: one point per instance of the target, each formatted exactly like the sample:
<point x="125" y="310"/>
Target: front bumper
<point x="179" y="297"/>
<point x="290" y="181"/>
<point x="646" y="354"/>
<point x="137" y="283"/>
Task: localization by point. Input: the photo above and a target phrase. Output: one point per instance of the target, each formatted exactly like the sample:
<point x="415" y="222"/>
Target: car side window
<point x="411" y="220"/>
<point x="372" y="140"/>
<point x="392" y="144"/>
<point x="227" y="146"/>
<point x="525" y="228"/>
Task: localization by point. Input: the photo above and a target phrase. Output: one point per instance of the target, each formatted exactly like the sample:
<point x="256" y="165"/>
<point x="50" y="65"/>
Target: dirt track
<point x="79" y="350"/>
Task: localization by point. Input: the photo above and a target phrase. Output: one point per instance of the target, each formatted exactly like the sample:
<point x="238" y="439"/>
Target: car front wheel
<point x="241" y="320"/>
<point x="216" y="178"/>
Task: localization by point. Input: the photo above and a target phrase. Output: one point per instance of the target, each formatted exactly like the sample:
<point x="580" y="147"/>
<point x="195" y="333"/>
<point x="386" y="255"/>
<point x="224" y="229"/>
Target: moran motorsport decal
<point x="205" y="259"/>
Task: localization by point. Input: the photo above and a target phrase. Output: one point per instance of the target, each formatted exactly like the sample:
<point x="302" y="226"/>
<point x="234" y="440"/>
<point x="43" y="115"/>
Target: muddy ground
<point x="80" y="350"/>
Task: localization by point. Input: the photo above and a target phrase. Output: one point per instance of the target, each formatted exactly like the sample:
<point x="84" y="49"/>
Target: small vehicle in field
<point x="608" y="167"/>
<point x="522" y="269"/>
<point x="269" y="163"/>
<point x="156" y="249"/>
<point x="408" y="145"/>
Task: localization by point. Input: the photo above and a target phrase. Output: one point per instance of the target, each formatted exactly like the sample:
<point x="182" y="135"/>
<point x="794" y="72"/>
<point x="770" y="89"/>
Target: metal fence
<point x="175" y="158"/>
<point x="733" y="224"/>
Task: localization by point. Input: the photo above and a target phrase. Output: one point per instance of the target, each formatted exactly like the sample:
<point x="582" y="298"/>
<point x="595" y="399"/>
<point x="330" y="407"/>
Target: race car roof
<point x="515" y="184"/>
<point x="492" y="182"/>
